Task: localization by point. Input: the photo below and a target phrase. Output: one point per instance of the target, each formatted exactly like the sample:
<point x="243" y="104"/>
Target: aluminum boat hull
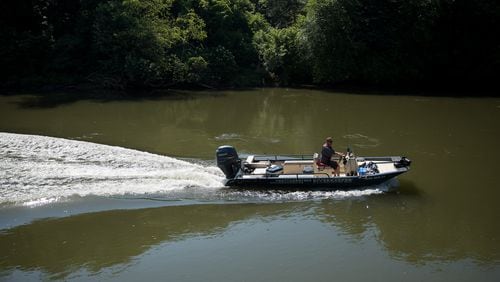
<point x="297" y="183"/>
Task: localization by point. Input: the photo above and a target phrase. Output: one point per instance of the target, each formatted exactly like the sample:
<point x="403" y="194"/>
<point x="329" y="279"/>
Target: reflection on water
<point x="96" y="241"/>
<point x="409" y="233"/>
<point x="361" y="141"/>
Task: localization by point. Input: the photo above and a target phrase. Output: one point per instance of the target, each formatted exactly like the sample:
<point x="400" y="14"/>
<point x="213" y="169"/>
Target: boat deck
<point x="298" y="167"/>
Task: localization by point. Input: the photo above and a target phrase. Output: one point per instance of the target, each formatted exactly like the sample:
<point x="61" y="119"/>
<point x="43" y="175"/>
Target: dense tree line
<point x="219" y="43"/>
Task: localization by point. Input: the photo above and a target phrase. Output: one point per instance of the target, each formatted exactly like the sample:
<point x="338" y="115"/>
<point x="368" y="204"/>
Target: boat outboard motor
<point x="228" y="161"/>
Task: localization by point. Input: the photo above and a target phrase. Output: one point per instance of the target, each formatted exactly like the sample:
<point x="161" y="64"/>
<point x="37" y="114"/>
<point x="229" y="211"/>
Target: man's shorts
<point x="331" y="163"/>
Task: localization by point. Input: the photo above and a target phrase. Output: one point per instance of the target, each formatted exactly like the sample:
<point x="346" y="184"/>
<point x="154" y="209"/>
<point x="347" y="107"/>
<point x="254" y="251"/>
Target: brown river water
<point x="97" y="188"/>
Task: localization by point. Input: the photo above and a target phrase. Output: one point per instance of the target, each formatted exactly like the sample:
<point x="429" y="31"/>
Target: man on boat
<point x="327" y="153"/>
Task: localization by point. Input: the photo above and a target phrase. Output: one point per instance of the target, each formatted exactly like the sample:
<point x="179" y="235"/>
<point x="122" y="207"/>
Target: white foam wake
<point x="286" y="196"/>
<point x="36" y="169"/>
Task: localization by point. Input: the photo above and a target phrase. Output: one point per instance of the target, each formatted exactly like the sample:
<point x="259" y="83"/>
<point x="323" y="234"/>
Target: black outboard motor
<point x="228" y="161"/>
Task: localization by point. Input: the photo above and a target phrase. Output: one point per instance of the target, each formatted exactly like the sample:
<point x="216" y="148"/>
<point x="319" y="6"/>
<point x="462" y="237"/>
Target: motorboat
<point x="306" y="172"/>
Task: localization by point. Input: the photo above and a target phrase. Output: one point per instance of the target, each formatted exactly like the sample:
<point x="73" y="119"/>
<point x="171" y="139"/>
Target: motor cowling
<point x="228" y="161"/>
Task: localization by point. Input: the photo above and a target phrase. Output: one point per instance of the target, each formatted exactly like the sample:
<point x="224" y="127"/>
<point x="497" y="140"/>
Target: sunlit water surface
<point x="128" y="190"/>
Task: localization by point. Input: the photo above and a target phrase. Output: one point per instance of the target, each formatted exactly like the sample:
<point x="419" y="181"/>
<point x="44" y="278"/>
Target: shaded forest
<point x="123" y="44"/>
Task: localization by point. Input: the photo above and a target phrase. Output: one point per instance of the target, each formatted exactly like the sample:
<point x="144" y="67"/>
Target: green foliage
<point x="219" y="43"/>
<point x="222" y="66"/>
<point x="228" y="26"/>
<point x="281" y="54"/>
<point x="281" y="13"/>
<point x="403" y="42"/>
<point x="327" y="29"/>
<point x="137" y="42"/>
<point x="371" y="41"/>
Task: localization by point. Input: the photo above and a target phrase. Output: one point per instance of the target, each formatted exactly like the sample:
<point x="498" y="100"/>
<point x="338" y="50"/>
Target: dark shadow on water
<point x="55" y="99"/>
<point x="453" y="91"/>
<point x="408" y="188"/>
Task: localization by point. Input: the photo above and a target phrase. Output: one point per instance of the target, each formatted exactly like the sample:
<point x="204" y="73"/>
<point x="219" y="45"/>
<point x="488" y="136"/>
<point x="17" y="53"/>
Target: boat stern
<point x="228" y="161"/>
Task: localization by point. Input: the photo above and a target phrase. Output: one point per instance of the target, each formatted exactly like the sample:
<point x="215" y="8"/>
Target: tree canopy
<point x="220" y="43"/>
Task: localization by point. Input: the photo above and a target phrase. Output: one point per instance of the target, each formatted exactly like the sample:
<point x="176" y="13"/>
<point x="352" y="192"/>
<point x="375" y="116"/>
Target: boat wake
<point x="38" y="170"/>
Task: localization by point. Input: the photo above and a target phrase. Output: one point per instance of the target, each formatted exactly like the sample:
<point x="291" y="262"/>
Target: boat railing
<point x="310" y="157"/>
<point x="282" y="157"/>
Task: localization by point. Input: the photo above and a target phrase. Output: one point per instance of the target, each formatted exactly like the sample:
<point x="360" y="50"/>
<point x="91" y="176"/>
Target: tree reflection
<point x="416" y="229"/>
<point x="98" y="240"/>
<point x="409" y="226"/>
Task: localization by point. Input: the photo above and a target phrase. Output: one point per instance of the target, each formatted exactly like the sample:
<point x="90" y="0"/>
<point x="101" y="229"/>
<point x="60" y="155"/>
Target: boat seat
<point x="249" y="162"/>
<point x="317" y="161"/>
<point x="260" y="171"/>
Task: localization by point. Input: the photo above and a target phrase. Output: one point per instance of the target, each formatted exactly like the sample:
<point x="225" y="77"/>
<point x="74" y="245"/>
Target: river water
<point x="93" y="187"/>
